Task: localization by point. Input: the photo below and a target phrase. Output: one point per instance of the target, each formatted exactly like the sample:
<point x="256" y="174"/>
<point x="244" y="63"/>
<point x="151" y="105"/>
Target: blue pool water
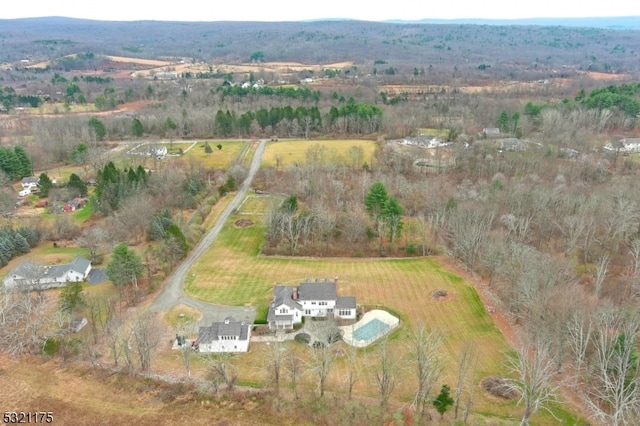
<point x="370" y="330"/>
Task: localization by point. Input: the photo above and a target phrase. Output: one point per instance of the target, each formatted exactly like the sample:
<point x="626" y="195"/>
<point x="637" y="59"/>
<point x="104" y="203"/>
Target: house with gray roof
<point x="311" y="298"/>
<point x="30" y="182"/>
<point x="29" y="276"/>
<point x="226" y="336"/>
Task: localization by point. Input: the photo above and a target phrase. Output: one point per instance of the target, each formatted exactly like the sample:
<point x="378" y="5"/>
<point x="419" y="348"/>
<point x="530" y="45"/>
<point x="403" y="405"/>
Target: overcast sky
<point x="294" y="10"/>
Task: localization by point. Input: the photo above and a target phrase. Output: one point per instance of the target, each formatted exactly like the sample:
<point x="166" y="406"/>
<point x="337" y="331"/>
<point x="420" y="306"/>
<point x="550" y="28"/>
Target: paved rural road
<point x="172" y="294"/>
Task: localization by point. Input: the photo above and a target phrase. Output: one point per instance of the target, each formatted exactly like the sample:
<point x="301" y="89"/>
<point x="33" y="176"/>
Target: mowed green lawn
<point x="233" y="272"/>
<point x="335" y="151"/>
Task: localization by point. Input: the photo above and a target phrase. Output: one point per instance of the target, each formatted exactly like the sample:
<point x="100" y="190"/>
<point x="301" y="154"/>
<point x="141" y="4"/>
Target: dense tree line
<point x="114" y="185"/>
<point x="16" y="162"/>
<point x="301" y="93"/>
<point x="10" y="99"/>
<point x="352" y="118"/>
<point x="623" y="97"/>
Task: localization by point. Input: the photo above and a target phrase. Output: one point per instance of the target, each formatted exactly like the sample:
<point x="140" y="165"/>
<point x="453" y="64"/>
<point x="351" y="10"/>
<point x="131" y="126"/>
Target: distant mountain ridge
<point x="618" y="22"/>
<point x="543" y="48"/>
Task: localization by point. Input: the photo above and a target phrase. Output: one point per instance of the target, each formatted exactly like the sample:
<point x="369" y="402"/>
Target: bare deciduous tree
<point x="293" y="366"/>
<point x="467" y="230"/>
<point x="275" y="356"/>
<point x="424" y="350"/>
<point x="322" y="357"/>
<point x="613" y="392"/>
<point x="353" y="370"/>
<point x="534" y="371"/>
<point x="145" y="336"/>
<point x="386" y="373"/>
<point x="602" y="268"/>
<point x="221" y="370"/>
<point x="95" y="241"/>
<point x="466" y="370"/>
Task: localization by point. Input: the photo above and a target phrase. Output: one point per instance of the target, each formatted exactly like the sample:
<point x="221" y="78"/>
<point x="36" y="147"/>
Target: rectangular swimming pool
<point x="370" y="330"/>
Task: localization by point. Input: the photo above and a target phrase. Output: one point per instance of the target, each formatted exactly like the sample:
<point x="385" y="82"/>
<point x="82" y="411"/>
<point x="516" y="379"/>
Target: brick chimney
<point x="336" y="280"/>
<point x="294" y="293"/>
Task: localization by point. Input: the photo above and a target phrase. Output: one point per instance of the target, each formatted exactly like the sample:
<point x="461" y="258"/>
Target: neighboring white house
<point x="227" y="336"/>
<point x="30" y="182"/>
<point x="28" y="275"/>
<point x="309" y="299"/>
<point x="24" y="192"/>
<point x="624" y="145"/>
<point x="491" y="132"/>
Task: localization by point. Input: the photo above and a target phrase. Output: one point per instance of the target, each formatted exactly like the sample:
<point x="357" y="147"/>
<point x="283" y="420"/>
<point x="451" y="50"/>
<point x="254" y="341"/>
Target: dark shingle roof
<point x="325" y="290"/>
<point x="229" y="327"/>
<point x="80" y="264"/>
<point x="346" y="302"/>
<point x="283" y="295"/>
<point x="28" y="269"/>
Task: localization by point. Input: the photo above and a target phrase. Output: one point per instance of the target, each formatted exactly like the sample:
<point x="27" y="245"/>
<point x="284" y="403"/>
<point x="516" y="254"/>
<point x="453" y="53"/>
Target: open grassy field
<point x="219" y="158"/>
<point x="233" y="273"/>
<point x="294" y="151"/>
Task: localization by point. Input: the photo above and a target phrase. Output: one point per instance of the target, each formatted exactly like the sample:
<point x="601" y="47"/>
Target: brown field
<point x="149" y="62"/>
<point x="79" y="395"/>
<point x="490" y="87"/>
<point x="283" y="68"/>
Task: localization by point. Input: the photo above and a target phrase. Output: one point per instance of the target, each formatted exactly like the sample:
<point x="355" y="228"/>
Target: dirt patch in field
<point x="442" y="295"/>
<point x="499" y="387"/>
<point x="149" y="62"/>
<point x="243" y="223"/>
<point x="606" y="76"/>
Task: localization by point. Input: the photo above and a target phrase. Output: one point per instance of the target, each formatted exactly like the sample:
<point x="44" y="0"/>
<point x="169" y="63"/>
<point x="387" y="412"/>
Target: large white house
<point x="227" y="336"/>
<point x="28" y="275"/>
<point x="309" y="299"/>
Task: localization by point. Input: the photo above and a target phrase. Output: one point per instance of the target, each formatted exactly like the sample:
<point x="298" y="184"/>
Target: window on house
<point x="307" y="312"/>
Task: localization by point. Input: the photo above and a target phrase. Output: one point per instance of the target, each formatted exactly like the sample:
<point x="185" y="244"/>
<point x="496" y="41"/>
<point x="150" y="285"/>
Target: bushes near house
<point x="303" y="338"/>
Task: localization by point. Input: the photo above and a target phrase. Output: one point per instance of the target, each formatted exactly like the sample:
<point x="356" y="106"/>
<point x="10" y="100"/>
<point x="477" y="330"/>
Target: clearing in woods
<point x="233" y="273"/>
<point x="290" y="152"/>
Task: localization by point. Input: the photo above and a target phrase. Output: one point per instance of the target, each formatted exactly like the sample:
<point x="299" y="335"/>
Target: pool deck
<point x="383" y="316"/>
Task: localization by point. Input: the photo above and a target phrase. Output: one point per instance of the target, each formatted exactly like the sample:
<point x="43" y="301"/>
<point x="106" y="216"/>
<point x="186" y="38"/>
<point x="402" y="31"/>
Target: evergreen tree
<point x="71" y="298"/>
<point x="137" y="129"/>
<point x="26" y="168"/>
<point x="11" y="164"/>
<point x="20" y="243"/>
<point x="392" y="215"/>
<point x="76" y="183"/>
<point x="125" y="266"/>
<point x="79" y="154"/>
<point x="503" y="121"/>
<point x="98" y="128"/>
<point x="30" y="235"/>
<point x="44" y="185"/>
<point x="375" y="201"/>
<point x="443" y="401"/>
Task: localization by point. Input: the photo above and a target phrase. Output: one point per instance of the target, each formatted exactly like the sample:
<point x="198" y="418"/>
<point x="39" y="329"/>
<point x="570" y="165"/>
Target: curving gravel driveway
<point x="172" y="293"/>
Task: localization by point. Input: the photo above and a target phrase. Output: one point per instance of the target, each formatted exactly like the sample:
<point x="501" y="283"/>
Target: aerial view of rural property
<point x="320" y="214"/>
